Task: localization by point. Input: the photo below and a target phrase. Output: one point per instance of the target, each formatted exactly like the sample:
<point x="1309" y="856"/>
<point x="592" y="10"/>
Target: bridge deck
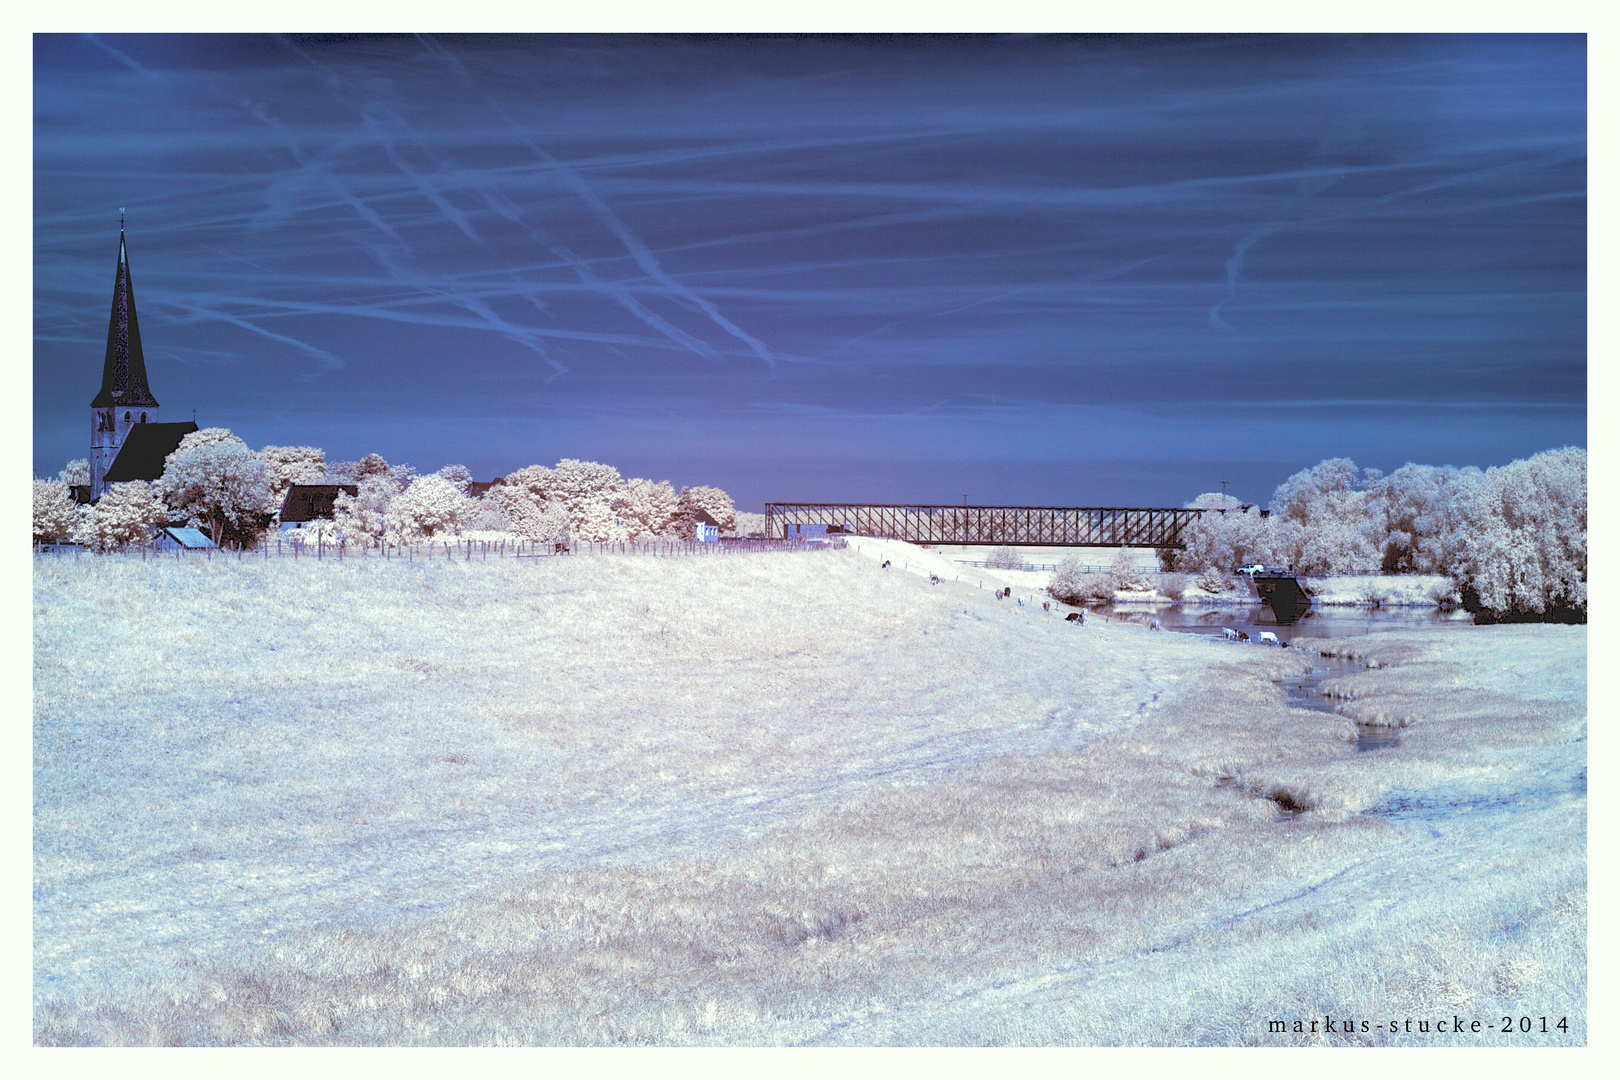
<point x="1050" y="526"/>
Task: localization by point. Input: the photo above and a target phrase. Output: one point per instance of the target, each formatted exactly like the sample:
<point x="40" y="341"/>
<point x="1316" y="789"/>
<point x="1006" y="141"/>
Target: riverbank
<point x="776" y="799"/>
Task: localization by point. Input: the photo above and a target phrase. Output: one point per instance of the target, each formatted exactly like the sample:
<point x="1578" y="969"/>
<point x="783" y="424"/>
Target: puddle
<point x="1305" y="692"/>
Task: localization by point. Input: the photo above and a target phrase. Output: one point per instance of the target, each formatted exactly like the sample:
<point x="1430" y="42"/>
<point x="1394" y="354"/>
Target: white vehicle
<point x="1254" y="568"/>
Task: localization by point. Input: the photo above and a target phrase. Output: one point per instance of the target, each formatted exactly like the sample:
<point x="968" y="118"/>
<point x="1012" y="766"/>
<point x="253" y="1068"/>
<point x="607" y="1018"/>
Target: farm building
<point x="707" y="529"/>
<point x="181" y="538"/>
<point x="312" y="502"/>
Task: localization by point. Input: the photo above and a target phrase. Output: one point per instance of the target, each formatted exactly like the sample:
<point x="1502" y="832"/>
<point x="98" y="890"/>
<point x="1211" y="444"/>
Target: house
<point x="304" y="503"/>
<point x="477" y="488"/>
<point x="707" y="529"/>
<point x="181" y="538"/>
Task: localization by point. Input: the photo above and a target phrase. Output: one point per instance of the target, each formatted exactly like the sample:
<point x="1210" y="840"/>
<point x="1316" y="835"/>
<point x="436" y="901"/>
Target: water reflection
<point x="1314" y="622"/>
<point x="1302" y="691"/>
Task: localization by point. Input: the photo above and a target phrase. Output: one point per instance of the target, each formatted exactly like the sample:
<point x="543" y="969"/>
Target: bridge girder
<point x="1045" y="526"/>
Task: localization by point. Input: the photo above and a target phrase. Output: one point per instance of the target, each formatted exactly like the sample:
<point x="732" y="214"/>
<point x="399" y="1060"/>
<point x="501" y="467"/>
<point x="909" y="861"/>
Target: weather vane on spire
<point x="120" y="219"/>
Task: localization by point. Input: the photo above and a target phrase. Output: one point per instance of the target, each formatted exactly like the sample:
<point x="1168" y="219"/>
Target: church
<point x="127" y="442"/>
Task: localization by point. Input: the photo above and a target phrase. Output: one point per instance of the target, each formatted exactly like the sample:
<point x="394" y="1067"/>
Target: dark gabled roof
<point x="145" y="447"/>
<point x="704" y="518"/>
<point x="123" y="374"/>
<point x="477" y="488"/>
<point x="313" y="502"/>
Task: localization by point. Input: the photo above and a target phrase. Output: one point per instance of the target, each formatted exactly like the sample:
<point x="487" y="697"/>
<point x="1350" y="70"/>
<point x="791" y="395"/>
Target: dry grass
<point x="769" y="800"/>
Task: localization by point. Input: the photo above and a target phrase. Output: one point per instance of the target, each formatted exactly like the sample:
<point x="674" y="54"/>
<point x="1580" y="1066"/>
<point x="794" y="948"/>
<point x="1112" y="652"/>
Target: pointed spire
<point x="123" y="375"/>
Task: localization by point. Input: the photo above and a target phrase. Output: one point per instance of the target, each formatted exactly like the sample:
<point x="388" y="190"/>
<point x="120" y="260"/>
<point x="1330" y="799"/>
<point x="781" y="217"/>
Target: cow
<point x="1268" y="638"/>
<point x="1243" y="636"/>
<point x="933" y="579"/>
<point x="885" y="564"/>
<point x="1046" y="605"/>
<point x="1228" y="633"/>
<point x="1076" y="617"/>
<point x="1155" y="625"/>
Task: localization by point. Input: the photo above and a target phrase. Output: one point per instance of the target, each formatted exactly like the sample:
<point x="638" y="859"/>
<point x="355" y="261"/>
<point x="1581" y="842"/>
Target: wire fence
<point x="446" y="549"/>
<point x="1085" y="568"/>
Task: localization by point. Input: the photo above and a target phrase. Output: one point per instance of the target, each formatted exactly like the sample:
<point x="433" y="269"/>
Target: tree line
<point x="213" y="481"/>
<point x="1512" y="537"/>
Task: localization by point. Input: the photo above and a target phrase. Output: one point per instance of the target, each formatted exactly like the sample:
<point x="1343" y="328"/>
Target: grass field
<point x="772" y="799"/>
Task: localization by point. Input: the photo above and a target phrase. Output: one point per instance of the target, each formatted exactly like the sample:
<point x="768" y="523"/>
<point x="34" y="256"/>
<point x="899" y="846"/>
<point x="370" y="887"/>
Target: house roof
<point x="477" y="488"/>
<point x="704" y="519"/>
<point x="145" y="447"/>
<point x="186" y="536"/>
<point x="313" y="502"/>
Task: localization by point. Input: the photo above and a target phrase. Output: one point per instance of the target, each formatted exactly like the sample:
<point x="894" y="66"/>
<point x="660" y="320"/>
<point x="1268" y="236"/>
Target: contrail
<point x="328" y="360"/>
<point x="633" y="244"/>
<point x="1234" y="271"/>
<point x="617" y="293"/>
<point x="121" y="57"/>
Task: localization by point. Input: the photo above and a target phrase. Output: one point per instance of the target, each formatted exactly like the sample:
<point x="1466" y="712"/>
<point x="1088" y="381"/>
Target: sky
<point x="1088" y="271"/>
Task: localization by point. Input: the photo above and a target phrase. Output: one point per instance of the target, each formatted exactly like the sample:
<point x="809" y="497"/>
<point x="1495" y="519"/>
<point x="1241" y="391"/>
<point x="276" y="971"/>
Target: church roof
<point x="145" y="447"/>
<point x="123" y="375"/>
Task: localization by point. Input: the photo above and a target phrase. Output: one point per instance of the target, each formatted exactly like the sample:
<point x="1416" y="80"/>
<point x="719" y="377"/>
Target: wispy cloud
<point x="840" y="224"/>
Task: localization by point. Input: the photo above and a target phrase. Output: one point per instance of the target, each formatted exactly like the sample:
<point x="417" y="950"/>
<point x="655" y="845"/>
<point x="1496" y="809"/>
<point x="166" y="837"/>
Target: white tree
<point x="56" y="516"/>
<point x="712" y="501"/>
<point x="77" y="473"/>
<point x="647" y="508"/>
<point x="431" y="505"/>
<point x="1125" y="574"/>
<point x="1325" y="522"/>
<point x="362" y="518"/>
<point x="1225" y="539"/>
<point x="1073" y="585"/>
<point x="458" y="475"/>
<point x="206" y="436"/>
<point x="581" y="483"/>
<point x="524" y="500"/>
<point x="125" y="514"/>
<point x="1004" y="558"/>
<point x="1524" y="548"/>
<point x="289" y="465"/>
<point x="353" y="472"/>
<point x="219" y="485"/>
<point x="598" y="524"/>
<point x="1419" y="506"/>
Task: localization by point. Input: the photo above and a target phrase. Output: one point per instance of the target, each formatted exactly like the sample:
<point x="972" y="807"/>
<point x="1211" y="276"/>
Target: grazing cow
<point x="1243" y="636"/>
<point x="1076" y="617"/>
<point x="1046" y="605"/>
<point x="1228" y="633"/>
<point x="933" y="579"/>
<point x="1155" y="625"/>
<point x="1268" y="638"/>
<point x="885" y="564"/>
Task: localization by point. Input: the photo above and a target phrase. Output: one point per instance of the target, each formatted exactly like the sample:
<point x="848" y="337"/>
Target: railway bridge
<point x="1047" y="526"/>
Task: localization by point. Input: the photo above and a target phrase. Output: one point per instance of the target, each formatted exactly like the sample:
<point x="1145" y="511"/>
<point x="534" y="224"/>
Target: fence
<point x="453" y="548"/>
<point x="1085" y="568"/>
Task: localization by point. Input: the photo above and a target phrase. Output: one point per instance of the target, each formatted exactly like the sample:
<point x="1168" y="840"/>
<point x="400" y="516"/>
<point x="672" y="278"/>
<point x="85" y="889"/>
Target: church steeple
<point x="125" y="399"/>
<point x="123" y="375"/>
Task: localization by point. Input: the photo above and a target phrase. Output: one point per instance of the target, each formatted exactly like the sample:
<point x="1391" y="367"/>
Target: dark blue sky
<point x="1032" y="270"/>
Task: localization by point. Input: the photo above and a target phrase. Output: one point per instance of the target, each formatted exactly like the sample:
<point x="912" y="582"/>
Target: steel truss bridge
<point x="1049" y="526"/>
